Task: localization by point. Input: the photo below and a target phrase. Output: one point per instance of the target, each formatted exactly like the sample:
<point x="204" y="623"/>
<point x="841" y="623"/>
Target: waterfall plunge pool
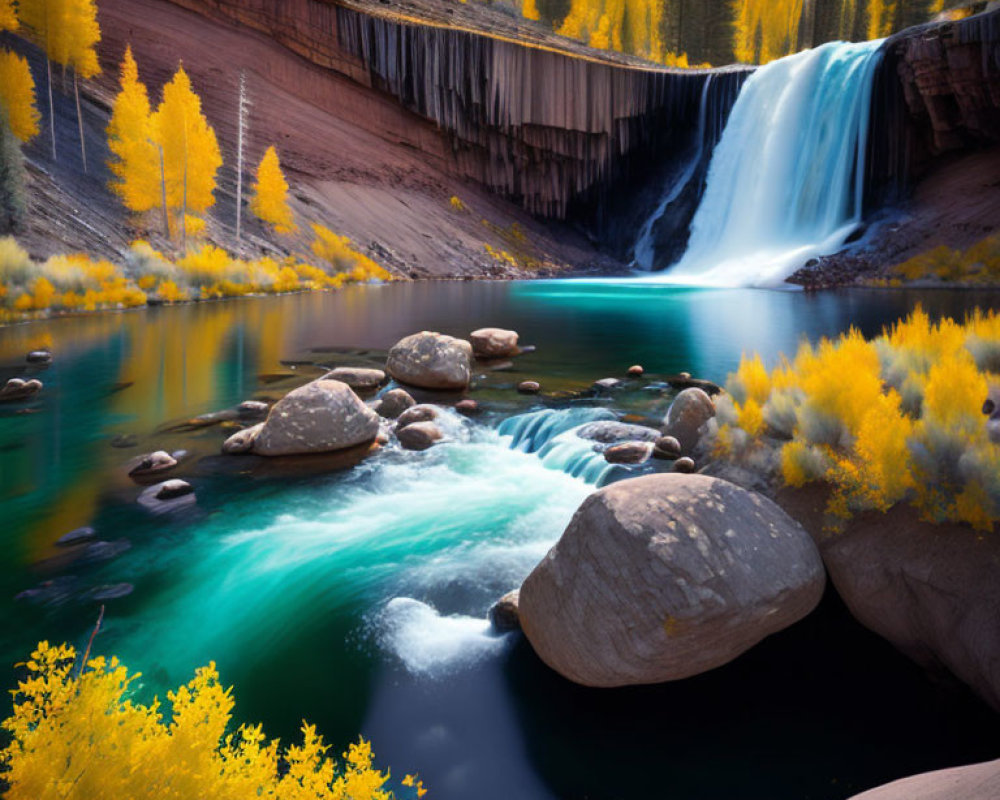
<point x="357" y="599"/>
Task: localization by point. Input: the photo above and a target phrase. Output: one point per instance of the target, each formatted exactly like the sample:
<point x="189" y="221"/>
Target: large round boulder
<point x="666" y="576"/>
<point x="319" y="417"/>
<point x="494" y="343"/>
<point x="690" y="410"/>
<point x="431" y="361"/>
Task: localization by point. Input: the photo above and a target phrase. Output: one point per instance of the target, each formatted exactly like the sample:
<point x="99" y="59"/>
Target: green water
<point x="357" y="598"/>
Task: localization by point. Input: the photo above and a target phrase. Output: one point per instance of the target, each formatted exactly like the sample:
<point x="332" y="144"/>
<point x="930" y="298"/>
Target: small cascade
<point x="787" y="179"/>
<point x="551" y="435"/>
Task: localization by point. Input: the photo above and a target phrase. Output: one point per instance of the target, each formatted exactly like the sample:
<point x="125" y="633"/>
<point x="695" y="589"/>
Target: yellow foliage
<point x="135" y="159"/>
<point x="270" y="200"/>
<point x="8" y="17"/>
<point x="337" y="251"/>
<point x="67" y="30"/>
<point x="896" y="418"/>
<point x="81" y="736"/>
<point x="765" y="29"/>
<point x="190" y="150"/>
<point x="17" y="95"/>
<point x="457" y="204"/>
<point x="978" y="264"/>
<point x="529" y="10"/>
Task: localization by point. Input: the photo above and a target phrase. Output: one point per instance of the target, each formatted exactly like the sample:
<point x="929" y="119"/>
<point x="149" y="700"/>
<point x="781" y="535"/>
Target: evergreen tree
<point x="17" y="95"/>
<point x="191" y="156"/>
<point x="270" y="200"/>
<point x="12" y="176"/>
<point x="136" y="160"/>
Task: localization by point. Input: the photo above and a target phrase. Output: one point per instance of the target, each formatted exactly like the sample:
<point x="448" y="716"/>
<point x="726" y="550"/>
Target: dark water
<point x="356" y="599"/>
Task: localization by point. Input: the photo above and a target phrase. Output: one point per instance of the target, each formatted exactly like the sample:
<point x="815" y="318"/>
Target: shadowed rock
<point x="242" y="441"/>
<point x="974" y="782"/>
<point x="419" y="435"/>
<point x="393" y="403"/>
<point x="420" y="413"/>
<point x="666" y="576"/>
<point x="690" y="410"/>
<point x="504" y="614"/>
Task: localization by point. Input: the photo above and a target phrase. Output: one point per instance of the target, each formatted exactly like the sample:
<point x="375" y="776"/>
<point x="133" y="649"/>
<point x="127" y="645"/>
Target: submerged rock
<point x="691" y="409"/>
<point x="358" y="378"/>
<point x="419" y="435"/>
<point x="431" y="361"/>
<point x="168" y="496"/>
<point x="612" y="432"/>
<point x="468" y="407"/>
<point x="503" y="613"/>
<point x="393" y="403"/>
<point x="666" y="576"/>
<point x="39" y="357"/>
<point x="50" y="592"/>
<point x="529" y="387"/>
<point x="494" y="343"/>
<point x="114" y="591"/>
<point x="19" y="389"/>
<point x="319" y="417"/>
<point x="76" y="536"/>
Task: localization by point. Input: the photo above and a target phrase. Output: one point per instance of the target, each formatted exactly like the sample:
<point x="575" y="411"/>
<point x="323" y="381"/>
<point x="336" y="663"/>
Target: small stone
<point x="503" y="614"/>
<point x="242" y="441"/>
<point x="20" y="389"/>
<point x="628" y="453"/>
<point x="76" y="536"/>
<point x="419" y="436"/>
<point x="684" y="464"/>
<point x="468" y="407"/>
<point x="493" y="343"/>
<point x="529" y="387"/>
<point x="393" y="403"/>
<point x="39" y="357"/>
<point x="526" y="349"/>
<point x="421" y="413"/>
<point x="151" y="464"/>
<point x="606" y="384"/>
<point x="667" y="448"/>
<point x="124" y="440"/>
<point x="636" y="370"/>
<point x="172" y="489"/>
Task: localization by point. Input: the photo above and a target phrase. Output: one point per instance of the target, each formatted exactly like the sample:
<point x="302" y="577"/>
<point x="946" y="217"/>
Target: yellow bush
<point x="896" y="418"/>
<point x="979" y="263"/>
<point x="81" y="736"/>
<point x="337" y="251"/>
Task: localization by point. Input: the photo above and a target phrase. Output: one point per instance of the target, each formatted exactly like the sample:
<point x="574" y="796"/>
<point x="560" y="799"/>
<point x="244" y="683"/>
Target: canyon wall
<point x="937" y="95"/>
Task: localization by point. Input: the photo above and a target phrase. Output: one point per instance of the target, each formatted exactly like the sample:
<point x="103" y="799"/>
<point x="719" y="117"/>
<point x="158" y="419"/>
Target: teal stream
<point x="357" y="598"/>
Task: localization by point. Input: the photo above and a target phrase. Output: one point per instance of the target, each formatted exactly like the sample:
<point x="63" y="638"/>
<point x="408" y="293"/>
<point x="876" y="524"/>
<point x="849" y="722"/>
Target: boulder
<point x="393" y="403"/>
<point x="358" y="378"/>
<point x="504" y="615"/>
<point x="242" y="441"/>
<point x="614" y="432"/>
<point x="154" y="463"/>
<point x="932" y="590"/>
<point x="665" y="576"/>
<point x="431" y="361"/>
<point x="319" y="417"/>
<point x="691" y="409"/>
<point x="629" y="453"/>
<point x="420" y="413"/>
<point x="974" y="782"/>
<point x="667" y="448"/>
<point x="419" y="436"/>
<point x="529" y="387"/>
<point x="494" y="343"/>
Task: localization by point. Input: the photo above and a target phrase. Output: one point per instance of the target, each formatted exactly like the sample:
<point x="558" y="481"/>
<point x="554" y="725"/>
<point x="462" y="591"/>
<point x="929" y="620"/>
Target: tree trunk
<point x="239" y="157"/>
<point x="52" y="115"/>
<point x="79" y="121"/>
<point x="163" y="193"/>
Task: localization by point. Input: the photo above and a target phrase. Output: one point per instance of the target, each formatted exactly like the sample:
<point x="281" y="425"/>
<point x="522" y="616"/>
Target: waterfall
<point x="786" y="181"/>
<point x="644" y="245"/>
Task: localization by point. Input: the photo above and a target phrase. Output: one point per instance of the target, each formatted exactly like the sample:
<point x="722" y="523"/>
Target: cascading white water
<point x="786" y="180"/>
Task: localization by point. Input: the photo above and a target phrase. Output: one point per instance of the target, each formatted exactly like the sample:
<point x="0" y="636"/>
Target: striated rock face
<point x="663" y="577"/>
<point x="937" y="92"/>
<point x="557" y="141"/>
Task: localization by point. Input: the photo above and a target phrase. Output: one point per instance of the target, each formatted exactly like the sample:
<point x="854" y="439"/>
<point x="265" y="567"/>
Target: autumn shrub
<point x="15" y="265"/>
<point x="79" y="734"/>
<point x="339" y="255"/>
<point x="898" y="418"/>
<point x="978" y="264"/>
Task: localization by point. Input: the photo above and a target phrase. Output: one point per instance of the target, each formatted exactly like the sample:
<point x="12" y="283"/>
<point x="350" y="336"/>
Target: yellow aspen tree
<point x="191" y="156"/>
<point x="8" y="17"/>
<point x="78" y="43"/>
<point x="529" y="10"/>
<point x="135" y="156"/>
<point x="17" y="95"/>
<point x="270" y="200"/>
